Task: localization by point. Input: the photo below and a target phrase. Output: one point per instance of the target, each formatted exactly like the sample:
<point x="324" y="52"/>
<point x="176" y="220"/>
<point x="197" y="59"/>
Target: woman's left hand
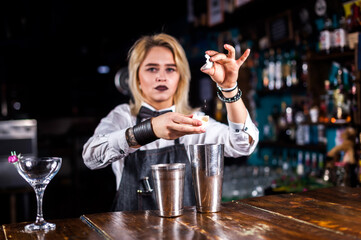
<point x="225" y="66"/>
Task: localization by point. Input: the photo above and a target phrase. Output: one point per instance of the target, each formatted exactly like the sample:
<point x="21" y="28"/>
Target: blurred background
<point x="63" y="68"/>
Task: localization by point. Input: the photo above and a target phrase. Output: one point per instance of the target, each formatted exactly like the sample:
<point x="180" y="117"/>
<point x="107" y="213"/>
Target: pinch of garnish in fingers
<point x="204" y="119"/>
<point x="208" y="63"/>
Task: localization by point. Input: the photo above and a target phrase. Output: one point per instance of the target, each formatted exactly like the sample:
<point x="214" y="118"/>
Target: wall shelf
<point x="347" y="55"/>
<point x="279" y="144"/>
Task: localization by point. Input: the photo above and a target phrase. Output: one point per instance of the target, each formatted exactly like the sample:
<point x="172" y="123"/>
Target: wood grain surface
<point x="329" y="214"/>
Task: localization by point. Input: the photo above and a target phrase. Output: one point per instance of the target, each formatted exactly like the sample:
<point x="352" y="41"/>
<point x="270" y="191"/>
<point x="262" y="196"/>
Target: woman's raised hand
<point x="225" y="66"/>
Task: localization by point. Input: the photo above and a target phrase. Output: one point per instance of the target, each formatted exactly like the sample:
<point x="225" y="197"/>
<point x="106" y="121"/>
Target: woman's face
<point x="159" y="77"/>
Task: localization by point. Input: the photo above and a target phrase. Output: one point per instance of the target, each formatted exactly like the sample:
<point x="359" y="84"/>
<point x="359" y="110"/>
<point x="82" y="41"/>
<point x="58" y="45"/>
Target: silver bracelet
<point x="227" y="89"/>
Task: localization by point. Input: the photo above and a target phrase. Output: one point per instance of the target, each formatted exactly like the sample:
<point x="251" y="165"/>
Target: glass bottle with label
<point x="340" y="37"/>
<point x="271" y="70"/>
<point x="325" y="37"/>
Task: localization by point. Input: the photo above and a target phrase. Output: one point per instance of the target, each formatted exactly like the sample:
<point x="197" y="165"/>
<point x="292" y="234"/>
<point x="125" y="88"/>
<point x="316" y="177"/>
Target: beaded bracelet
<point x="229" y="100"/>
<point x="227" y="89"/>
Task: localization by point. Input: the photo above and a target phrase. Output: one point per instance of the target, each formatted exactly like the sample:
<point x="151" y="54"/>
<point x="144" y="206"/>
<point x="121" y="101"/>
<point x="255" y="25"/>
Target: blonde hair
<point x="136" y="56"/>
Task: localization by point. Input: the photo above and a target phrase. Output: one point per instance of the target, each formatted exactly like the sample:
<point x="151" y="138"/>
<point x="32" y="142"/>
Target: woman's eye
<point x="152" y="69"/>
<point x="171" y="69"/>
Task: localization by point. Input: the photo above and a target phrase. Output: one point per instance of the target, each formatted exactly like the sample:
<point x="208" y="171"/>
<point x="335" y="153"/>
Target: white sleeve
<point x="234" y="136"/>
<point x="240" y="133"/>
<point x="108" y="144"/>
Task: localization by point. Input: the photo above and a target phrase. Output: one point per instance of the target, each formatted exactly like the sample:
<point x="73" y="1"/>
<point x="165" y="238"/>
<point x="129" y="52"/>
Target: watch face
<point x="320" y="7"/>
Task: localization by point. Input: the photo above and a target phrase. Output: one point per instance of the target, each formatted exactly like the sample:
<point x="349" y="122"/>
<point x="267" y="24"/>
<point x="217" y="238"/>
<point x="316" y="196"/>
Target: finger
<point x="211" y="52"/>
<point x="243" y="58"/>
<point x="209" y="71"/>
<point x="181" y="119"/>
<point x="187" y="129"/>
<point x="231" y="51"/>
<point x="218" y="57"/>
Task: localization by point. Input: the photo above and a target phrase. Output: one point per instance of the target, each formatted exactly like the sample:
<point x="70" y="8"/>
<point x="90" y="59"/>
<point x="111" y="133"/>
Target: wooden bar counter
<point x="330" y="213"/>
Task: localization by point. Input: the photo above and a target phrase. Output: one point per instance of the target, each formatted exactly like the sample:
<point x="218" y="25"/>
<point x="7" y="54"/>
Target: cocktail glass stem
<point x="39" y="192"/>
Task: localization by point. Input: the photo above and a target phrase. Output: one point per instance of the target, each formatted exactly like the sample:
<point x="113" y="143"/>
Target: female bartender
<point x="158" y="123"/>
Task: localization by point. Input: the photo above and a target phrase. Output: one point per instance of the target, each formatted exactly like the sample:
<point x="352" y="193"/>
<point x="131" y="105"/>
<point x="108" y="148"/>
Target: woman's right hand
<point x="173" y="125"/>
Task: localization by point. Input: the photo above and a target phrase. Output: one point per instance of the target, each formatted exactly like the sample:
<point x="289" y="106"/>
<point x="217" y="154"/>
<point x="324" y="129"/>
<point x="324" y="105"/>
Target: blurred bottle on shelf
<point x="282" y="70"/>
<point x="265" y="75"/>
<point x="300" y="166"/>
<point x="278" y="70"/>
<point x="286" y="69"/>
<point x="294" y="76"/>
<point x="354" y="19"/>
<point x="325" y="37"/>
<point x="271" y="70"/>
<point x="340" y="42"/>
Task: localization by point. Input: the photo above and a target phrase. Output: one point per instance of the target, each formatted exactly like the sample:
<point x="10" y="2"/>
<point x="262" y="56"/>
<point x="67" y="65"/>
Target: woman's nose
<point x="161" y="76"/>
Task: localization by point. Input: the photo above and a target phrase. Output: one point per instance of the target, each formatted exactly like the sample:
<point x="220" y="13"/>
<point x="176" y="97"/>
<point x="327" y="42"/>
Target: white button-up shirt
<point x="108" y="145"/>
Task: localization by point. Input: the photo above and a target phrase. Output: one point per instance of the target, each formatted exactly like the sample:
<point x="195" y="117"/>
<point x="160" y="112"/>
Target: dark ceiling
<point x="50" y="51"/>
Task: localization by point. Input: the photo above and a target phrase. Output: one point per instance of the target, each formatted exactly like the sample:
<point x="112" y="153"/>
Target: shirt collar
<point x="172" y="108"/>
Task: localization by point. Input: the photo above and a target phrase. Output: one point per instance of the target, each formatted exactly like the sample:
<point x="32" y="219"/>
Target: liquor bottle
<point x="314" y="165"/>
<point x="269" y="129"/>
<point x="300" y="167"/>
<point x="287" y="165"/>
<point x="333" y="75"/>
<point x="289" y="115"/>
<point x="354" y="106"/>
<point x="307" y="169"/>
<point x="271" y="70"/>
<point x="265" y="74"/>
<point x="354" y="18"/>
<point x="278" y="70"/>
<point x="304" y="71"/>
<point x="323" y="108"/>
<point x="321" y="161"/>
<point x="286" y="70"/>
<point x="346" y="80"/>
<point x="340" y="36"/>
<point x="338" y="99"/>
<point x="285" y="120"/>
<point x="294" y="76"/>
<point x="274" y="160"/>
<point x="325" y="37"/>
<point x="282" y="119"/>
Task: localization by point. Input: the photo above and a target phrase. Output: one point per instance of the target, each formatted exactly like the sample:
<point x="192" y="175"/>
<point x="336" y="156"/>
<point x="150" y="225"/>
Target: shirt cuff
<point x="247" y="127"/>
<point x="117" y="141"/>
<point x="236" y="127"/>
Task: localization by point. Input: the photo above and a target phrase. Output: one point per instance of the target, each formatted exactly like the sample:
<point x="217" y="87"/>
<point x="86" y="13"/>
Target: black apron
<point x="132" y="193"/>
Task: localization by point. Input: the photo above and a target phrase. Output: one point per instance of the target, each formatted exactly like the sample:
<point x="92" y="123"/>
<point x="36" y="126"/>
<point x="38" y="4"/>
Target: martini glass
<point x="38" y="172"/>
